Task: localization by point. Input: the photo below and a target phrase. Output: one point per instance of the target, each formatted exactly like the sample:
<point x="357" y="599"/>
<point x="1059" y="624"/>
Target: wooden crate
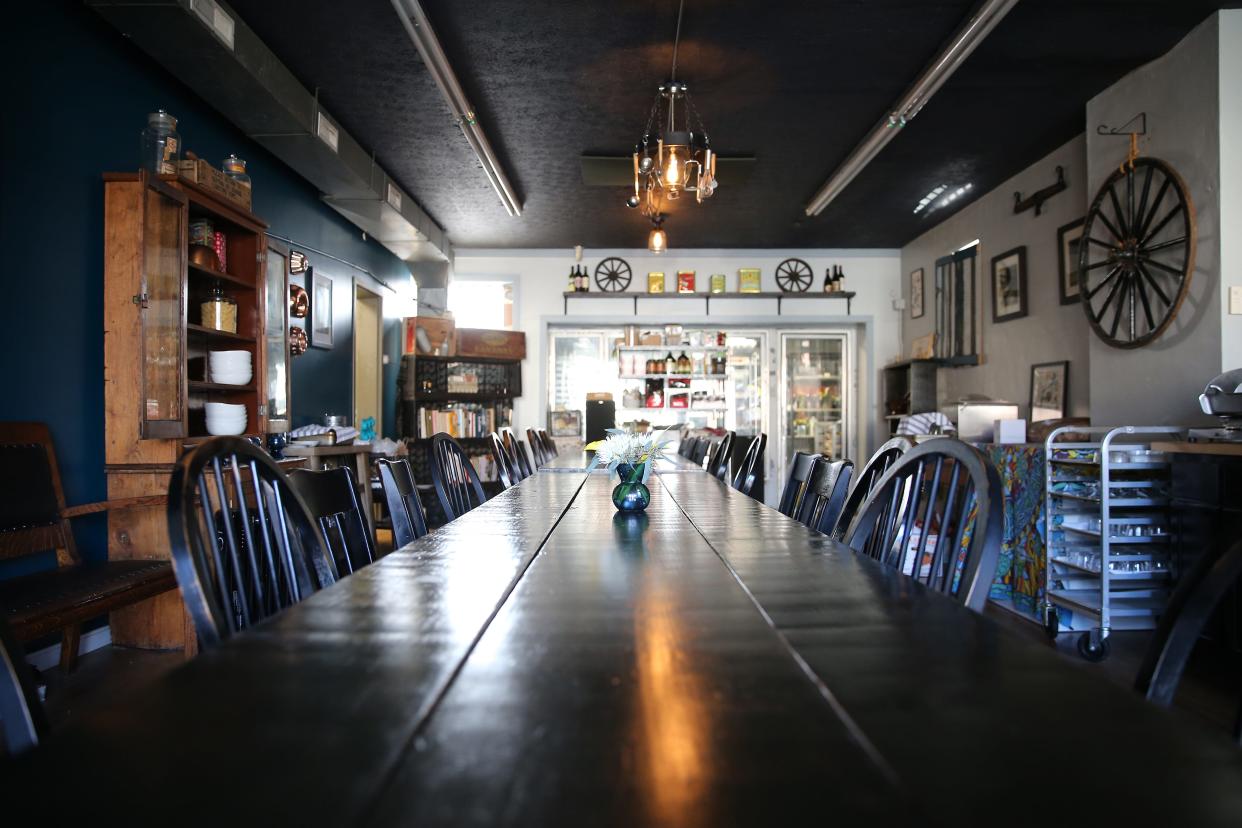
<point x="439" y="332"/>
<point x="199" y="172"/>
<point x="477" y="342"/>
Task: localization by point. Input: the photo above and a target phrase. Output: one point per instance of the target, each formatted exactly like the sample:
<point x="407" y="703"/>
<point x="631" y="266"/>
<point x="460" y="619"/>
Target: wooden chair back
<point x="332" y="499"/>
<point x="718" y="465"/>
<point x="800" y="468"/>
<point x="700" y="451"/>
<point x="549" y="445"/>
<point x="1196" y="598"/>
<point x="825" y="495"/>
<point x="32" y="502"/>
<point x="936" y="515"/>
<point x="21" y="713"/>
<point x="504" y="464"/>
<point x="866" y="479"/>
<point x="457" y="483"/>
<point x="409" y="519"/>
<point x="244" y="544"/>
<point x="528" y="466"/>
<point x="744" y="480"/>
<point x="537" y="447"/>
<point x="686" y="447"/>
<point x="519" y="463"/>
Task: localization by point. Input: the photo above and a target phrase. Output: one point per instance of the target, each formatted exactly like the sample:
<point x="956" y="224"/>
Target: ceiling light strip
<point x="424" y="37"/>
<point x="909" y="105"/>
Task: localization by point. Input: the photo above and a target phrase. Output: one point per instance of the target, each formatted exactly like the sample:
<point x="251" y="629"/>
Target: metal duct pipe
<point x="909" y="105"/>
<point x="419" y="29"/>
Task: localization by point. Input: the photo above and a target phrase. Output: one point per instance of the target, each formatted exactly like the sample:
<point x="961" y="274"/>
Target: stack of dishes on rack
<point x="230" y="367"/>
<point x="226" y="418"/>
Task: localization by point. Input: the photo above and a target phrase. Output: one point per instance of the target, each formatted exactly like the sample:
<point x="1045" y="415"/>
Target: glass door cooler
<point x="815" y="382"/>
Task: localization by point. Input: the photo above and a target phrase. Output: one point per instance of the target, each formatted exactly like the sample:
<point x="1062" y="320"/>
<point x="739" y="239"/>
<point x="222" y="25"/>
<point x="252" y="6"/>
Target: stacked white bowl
<point x="230" y="367"/>
<point x="226" y="418"/>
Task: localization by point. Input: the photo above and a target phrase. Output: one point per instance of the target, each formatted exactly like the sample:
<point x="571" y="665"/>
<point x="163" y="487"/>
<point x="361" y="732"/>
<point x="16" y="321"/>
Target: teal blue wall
<point x="76" y="98"/>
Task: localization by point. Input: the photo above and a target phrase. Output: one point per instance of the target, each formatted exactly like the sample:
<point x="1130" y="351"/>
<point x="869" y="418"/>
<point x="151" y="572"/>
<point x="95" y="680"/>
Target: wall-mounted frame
<point x="321" y="309"/>
<point x="1049" y="391"/>
<point x="1009" y="285"/>
<point x="916" y="294"/>
<point x="957" y="308"/>
<point x="1069" y="236"/>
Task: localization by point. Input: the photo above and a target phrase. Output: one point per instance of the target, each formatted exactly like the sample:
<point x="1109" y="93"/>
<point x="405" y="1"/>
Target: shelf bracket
<point x="1037" y="198"/>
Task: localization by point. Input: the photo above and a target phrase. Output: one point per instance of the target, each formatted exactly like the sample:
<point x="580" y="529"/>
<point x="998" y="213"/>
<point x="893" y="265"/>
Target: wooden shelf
<point x="707" y="298"/>
<point x="207" y="272"/>
<point x="200" y="385"/>
<point x="450" y="396"/>
<point x="214" y="334"/>
<point x="478" y="360"/>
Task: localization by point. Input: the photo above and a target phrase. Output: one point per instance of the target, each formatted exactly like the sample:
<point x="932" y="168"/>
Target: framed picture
<point x="718" y="283"/>
<point x="916" y="293"/>
<point x="655" y="282"/>
<point x="1069" y="236"/>
<point x="1049" y="390"/>
<point x="565" y="423"/>
<point x="748" y="280"/>
<point x="685" y="281"/>
<point x="320" y="310"/>
<point x="1009" y="285"/>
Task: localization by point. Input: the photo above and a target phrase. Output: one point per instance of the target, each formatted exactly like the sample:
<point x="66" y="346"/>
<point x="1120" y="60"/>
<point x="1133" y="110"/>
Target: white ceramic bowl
<point x="230" y="356"/>
<point x="232" y="377"/>
<point x="220" y="430"/>
<point x="226" y="408"/>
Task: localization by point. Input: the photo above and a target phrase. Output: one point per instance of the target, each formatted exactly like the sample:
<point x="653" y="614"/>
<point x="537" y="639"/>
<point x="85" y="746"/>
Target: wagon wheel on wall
<point x="794" y="275"/>
<point x="613" y="275"/>
<point x="1137" y="253"/>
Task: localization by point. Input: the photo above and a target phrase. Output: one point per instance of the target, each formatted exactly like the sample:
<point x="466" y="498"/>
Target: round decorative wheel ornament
<point x="1137" y="253"/>
<point x="613" y="275"/>
<point x="794" y="276"/>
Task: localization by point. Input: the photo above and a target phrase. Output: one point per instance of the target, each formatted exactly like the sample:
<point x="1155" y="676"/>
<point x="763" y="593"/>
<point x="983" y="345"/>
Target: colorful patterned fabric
<point x="1020" y="572"/>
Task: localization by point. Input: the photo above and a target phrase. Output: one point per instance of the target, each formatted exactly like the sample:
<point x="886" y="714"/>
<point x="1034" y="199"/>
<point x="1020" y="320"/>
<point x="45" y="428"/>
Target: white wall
<point x="1231" y="183"/>
<point x="541" y="279"/>
<point x="1051" y="331"/>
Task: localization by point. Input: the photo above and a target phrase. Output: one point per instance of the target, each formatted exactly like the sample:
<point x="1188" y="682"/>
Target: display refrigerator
<point x="816" y="380"/>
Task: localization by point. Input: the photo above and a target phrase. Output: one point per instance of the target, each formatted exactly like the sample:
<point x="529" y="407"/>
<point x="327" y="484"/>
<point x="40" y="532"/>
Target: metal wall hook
<point x="1037" y="199"/>
<point x="1124" y="129"/>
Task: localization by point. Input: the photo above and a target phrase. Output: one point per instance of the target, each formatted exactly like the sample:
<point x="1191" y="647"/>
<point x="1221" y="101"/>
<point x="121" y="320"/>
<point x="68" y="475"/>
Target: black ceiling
<point x="795" y="83"/>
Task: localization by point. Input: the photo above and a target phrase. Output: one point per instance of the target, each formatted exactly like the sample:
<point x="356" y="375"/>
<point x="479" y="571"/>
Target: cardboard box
<point x="438" y="335"/>
<point x="478" y="342"/>
<point x="199" y="172"/>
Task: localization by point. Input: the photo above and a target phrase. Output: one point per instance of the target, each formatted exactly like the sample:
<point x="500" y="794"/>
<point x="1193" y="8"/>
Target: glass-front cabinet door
<point x="815" y="380"/>
<point x="163" y="305"/>
<point x="276" y="337"/>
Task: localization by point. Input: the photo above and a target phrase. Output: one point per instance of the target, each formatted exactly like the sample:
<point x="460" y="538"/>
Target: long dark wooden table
<point x="545" y="661"/>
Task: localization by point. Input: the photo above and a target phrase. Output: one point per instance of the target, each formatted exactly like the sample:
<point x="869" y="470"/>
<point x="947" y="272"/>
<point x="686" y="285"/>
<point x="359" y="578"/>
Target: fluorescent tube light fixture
<point x="424" y="37"/>
<point x="934" y="76"/>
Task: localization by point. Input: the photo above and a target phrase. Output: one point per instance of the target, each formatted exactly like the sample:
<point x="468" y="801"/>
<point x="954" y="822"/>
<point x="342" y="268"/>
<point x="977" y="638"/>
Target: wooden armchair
<point x="33" y="520"/>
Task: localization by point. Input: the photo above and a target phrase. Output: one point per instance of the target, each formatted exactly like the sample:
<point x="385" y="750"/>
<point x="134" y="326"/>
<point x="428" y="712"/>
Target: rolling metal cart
<point x="1107" y="533"/>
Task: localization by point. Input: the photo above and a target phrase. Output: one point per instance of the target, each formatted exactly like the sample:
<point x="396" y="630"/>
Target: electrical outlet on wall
<point x="1235" y="299"/>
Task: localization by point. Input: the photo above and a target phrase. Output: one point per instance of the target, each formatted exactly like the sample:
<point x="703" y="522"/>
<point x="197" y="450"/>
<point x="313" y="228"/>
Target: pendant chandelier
<point x="674" y="156"/>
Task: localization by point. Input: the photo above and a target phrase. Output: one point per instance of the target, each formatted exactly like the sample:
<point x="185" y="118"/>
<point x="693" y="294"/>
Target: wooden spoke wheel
<point x="613" y="275"/>
<point x="1137" y="253"/>
<point x="794" y="276"/>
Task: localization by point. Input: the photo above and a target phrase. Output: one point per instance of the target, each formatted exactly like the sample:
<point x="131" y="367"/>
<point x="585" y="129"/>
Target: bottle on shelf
<point x="828" y="274"/>
<point x="573" y="280"/>
<point x="839" y="285"/>
<point x="683" y="363"/>
<point x="670" y="363"/>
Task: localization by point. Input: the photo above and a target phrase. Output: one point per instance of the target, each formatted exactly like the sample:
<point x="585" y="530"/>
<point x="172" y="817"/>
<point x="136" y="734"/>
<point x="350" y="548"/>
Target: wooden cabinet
<point x="156" y="345"/>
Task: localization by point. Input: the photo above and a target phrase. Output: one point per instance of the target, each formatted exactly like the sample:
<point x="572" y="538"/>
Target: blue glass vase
<point x="626" y="470"/>
<point x="631" y="497"/>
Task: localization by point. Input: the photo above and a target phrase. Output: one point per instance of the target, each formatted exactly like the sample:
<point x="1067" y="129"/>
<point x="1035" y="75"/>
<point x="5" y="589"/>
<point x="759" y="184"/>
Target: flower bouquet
<point x="633" y="457"/>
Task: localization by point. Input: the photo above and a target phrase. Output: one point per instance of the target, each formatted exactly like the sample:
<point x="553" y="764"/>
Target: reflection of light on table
<point x="672" y="743"/>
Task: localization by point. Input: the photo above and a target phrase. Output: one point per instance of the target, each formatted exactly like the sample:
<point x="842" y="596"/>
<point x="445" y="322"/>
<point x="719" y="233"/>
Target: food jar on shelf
<point x="219" y="311"/>
<point x="161" y="145"/>
<point x="235" y="168"/>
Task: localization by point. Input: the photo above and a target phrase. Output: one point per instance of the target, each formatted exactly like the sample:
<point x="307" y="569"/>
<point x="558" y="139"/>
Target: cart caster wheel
<point x="1093" y="651"/>
<point x="1052" y="624"/>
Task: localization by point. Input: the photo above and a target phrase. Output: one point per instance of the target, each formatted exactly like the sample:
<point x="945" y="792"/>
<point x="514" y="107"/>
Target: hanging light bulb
<point x="657" y="239"/>
<point x="675" y="159"/>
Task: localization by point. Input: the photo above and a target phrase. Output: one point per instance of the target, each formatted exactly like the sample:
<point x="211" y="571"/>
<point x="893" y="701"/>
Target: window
<point x="479" y="304"/>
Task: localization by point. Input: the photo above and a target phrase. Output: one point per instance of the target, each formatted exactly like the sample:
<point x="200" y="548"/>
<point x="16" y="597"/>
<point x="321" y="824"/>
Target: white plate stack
<point x="230" y="367"/>
<point x="226" y="418"/>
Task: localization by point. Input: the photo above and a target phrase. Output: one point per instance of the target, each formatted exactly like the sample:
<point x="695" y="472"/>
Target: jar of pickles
<point x="219" y="311"/>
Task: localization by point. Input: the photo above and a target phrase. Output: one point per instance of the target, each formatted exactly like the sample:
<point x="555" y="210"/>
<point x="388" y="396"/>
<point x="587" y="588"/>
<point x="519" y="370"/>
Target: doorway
<point x="368" y="356"/>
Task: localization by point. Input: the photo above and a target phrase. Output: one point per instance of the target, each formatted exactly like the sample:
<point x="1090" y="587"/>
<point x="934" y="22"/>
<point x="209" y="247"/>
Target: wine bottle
<point x="828" y="280"/>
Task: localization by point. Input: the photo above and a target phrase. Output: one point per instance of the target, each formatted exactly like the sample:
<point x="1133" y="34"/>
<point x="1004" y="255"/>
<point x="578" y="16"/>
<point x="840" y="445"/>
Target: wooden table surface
<point x="577" y="461"/>
<point x="545" y="661"/>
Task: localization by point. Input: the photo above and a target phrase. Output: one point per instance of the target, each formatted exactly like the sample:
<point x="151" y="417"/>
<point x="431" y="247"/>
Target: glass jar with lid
<point x="219" y="310"/>
<point x="235" y="168"/>
<point x="161" y="145"/>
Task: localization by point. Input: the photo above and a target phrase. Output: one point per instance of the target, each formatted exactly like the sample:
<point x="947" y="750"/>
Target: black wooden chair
<point x="744" y="480"/>
<point x="800" y="468"/>
<point x="700" y="451"/>
<point x="244" y="544"/>
<point x="825" y="494"/>
<point x="519" y="463"/>
<point x="457" y="483"/>
<point x="504" y="464"/>
<point x="686" y="448"/>
<point x="21" y="713"/>
<point x="1198" y="594"/>
<point x="866" y="478"/>
<point x="718" y="465"/>
<point x="943" y="489"/>
<point x="409" y="519"/>
<point x="524" y="459"/>
<point x="549" y="445"/>
<point x="536" y="447"/>
<point x="332" y="499"/>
